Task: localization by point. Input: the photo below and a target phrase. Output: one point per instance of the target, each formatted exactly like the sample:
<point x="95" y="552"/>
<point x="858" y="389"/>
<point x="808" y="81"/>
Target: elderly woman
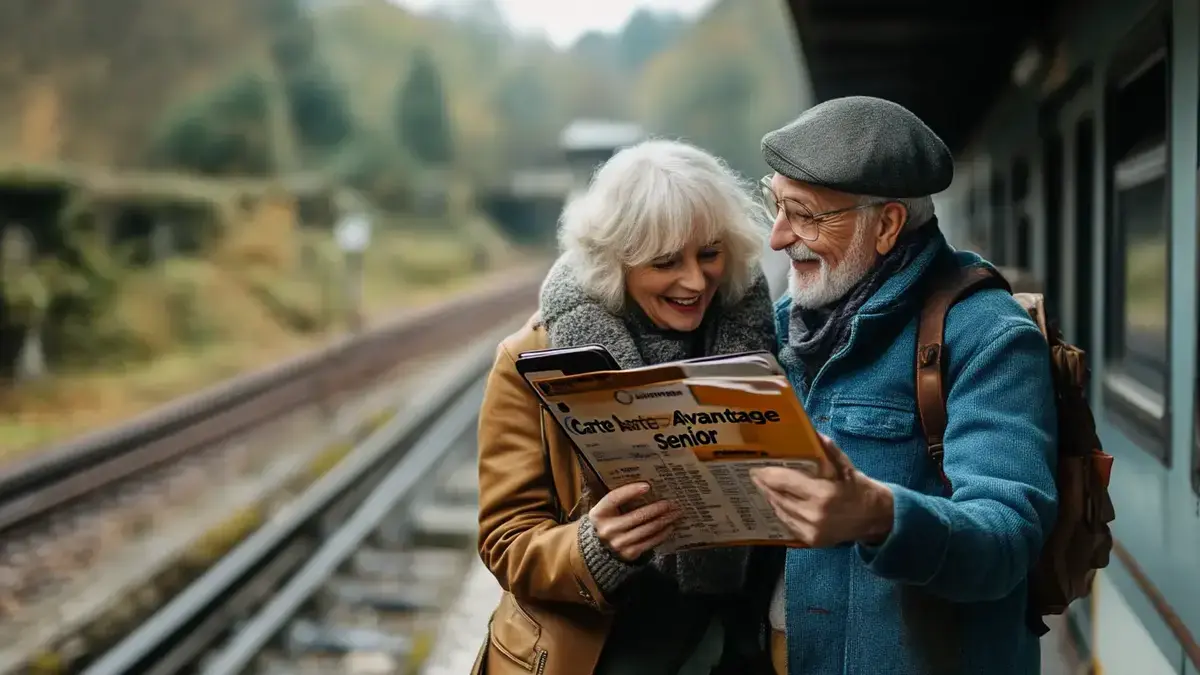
<point x="660" y="263"/>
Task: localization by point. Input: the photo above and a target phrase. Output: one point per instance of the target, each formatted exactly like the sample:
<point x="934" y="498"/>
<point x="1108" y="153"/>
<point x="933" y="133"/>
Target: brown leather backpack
<point x="1080" y="542"/>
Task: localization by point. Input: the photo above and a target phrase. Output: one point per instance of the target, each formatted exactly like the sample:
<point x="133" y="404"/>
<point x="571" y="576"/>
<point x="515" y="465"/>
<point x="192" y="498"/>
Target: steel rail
<point x="399" y="454"/>
<point x="51" y="479"/>
<point x="421" y="461"/>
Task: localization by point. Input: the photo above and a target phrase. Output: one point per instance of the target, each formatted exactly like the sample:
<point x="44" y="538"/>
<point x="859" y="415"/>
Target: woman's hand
<point x="630" y="535"/>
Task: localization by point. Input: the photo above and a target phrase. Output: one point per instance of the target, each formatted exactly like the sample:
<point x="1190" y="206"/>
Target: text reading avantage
<point x="726" y="416"/>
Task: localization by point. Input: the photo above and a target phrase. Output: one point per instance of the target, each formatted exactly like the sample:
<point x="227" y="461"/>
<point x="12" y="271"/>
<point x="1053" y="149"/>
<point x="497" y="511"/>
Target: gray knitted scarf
<point x="573" y="318"/>
<point x="814" y="335"/>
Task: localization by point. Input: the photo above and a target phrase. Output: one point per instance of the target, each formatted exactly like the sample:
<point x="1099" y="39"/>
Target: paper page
<point x="694" y="441"/>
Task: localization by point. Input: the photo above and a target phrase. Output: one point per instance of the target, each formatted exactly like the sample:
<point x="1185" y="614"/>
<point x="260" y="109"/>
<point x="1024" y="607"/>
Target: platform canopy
<point x="586" y="135"/>
<point x="946" y="60"/>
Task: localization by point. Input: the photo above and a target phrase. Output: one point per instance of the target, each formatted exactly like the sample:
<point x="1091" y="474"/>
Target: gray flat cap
<point x="861" y="145"/>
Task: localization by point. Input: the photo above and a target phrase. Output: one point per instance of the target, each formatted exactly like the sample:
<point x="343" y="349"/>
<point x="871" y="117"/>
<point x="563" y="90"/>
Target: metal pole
<point x="354" y="290"/>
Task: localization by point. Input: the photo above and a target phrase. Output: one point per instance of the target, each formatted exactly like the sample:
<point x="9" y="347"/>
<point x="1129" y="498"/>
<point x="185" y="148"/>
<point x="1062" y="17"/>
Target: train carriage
<point x="1075" y="130"/>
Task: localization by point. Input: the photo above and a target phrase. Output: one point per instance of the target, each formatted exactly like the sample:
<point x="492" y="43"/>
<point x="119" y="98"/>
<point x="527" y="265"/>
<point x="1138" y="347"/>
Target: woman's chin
<point x="685" y="327"/>
<point x="682" y="321"/>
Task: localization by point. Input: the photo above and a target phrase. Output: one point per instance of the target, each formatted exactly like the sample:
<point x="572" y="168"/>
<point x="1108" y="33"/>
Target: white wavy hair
<point x="651" y="200"/>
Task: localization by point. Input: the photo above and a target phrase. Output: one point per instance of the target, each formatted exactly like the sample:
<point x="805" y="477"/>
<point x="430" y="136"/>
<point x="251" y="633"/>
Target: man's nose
<point x="782" y="235"/>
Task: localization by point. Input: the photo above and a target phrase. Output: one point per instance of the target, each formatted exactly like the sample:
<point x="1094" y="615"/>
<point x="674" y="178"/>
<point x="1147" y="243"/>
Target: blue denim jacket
<point x="946" y="591"/>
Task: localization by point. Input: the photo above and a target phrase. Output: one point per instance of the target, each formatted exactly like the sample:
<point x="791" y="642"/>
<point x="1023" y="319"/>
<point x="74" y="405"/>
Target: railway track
<point x="350" y="577"/>
<point x="67" y="507"/>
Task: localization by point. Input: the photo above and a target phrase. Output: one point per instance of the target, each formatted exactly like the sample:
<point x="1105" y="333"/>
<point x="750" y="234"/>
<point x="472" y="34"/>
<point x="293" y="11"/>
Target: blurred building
<point x="586" y="144"/>
<point x="529" y="204"/>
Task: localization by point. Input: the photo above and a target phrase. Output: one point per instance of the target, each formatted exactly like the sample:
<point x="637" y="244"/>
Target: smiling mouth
<point x="683" y="303"/>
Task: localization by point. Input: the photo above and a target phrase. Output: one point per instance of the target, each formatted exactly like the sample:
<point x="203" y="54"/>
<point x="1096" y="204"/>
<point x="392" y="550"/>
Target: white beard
<point x="830" y="284"/>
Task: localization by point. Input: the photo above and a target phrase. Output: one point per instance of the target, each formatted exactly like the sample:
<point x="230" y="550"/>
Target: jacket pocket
<point x="515" y="636"/>
<point x="880" y="435"/>
<point x="880" y="418"/>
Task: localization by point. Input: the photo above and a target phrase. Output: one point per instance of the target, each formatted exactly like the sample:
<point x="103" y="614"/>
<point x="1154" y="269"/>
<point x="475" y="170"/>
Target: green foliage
<point x="80" y="301"/>
<point x="317" y="104"/>
<point x="645" y="35"/>
<point x="707" y="110"/>
<point x="220" y="132"/>
<point x="228" y="130"/>
<point x="72" y="299"/>
<point x="292" y="39"/>
<point x="720" y="82"/>
<point x="728" y="80"/>
<point x="523" y="102"/>
<point x="26" y="296"/>
<point x="506" y="98"/>
<point x="317" y="109"/>
<point x="422" y="124"/>
<point x="106" y="73"/>
<point x="189" y="316"/>
<point x="292" y="305"/>
<point x="431" y="259"/>
<point x="373" y="165"/>
<point x="84" y="325"/>
<point x="282" y="80"/>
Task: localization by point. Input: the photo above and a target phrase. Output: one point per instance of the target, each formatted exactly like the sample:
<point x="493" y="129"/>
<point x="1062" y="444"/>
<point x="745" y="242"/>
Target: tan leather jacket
<point x="552" y="618"/>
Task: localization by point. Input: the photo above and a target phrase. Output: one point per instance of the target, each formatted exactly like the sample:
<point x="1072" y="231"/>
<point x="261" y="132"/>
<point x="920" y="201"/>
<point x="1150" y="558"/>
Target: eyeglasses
<point x="805" y="225"/>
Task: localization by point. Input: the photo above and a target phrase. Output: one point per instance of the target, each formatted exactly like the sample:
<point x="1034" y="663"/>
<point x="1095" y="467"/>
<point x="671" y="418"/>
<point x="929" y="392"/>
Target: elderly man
<point x="899" y="574"/>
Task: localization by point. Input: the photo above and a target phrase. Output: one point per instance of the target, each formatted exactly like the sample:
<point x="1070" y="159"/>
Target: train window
<point x="998" y="236"/>
<point x="1020" y="180"/>
<point x="1022" y="231"/>
<point x="1136" y="289"/>
<point x="1196" y="416"/>
<point x="1084" y="193"/>
<point x="978" y="223"/>
<point x="1052" y="184"/>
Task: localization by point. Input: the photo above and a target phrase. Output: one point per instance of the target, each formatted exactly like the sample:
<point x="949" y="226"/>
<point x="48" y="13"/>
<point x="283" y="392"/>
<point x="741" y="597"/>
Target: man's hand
<point x="629" y="535"/>
<point x="823" y="512"/>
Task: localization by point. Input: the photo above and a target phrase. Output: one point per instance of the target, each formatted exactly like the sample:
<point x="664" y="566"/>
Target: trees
<point x="316" y="106"/>
<point x="223" y="132"/>
<point x="523" y="106"/>
<point x="280" y="118"/>
<point x="645" y="35"/>
<point x="729" y="79"/>
<point x="422" y="123"/>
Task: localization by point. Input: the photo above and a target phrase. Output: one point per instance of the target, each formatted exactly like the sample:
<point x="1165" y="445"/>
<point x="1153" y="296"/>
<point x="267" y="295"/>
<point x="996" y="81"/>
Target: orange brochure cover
<point x="693" y="430"/>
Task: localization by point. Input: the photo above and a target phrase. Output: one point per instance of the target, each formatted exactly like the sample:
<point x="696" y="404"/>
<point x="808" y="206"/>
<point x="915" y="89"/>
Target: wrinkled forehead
<point x="817" y="197"/>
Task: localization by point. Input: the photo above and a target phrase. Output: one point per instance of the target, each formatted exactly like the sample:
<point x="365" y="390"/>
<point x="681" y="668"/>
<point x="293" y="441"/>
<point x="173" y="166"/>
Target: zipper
<point x="541" y="662"/>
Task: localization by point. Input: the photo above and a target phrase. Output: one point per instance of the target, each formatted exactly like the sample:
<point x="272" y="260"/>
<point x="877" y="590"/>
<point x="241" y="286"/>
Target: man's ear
<point x="891" y="222"/>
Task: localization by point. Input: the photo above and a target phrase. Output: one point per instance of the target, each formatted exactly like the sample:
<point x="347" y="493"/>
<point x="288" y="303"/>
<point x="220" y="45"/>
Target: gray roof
<point x="599" y="135"/>
<point x="550" y="182"/>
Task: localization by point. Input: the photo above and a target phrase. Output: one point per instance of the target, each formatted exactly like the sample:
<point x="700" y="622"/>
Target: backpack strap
<point x="946" y="290"/>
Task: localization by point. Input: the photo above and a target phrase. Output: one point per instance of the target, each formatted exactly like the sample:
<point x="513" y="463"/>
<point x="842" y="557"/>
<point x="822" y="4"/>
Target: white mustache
<point x="802" y="253"/>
